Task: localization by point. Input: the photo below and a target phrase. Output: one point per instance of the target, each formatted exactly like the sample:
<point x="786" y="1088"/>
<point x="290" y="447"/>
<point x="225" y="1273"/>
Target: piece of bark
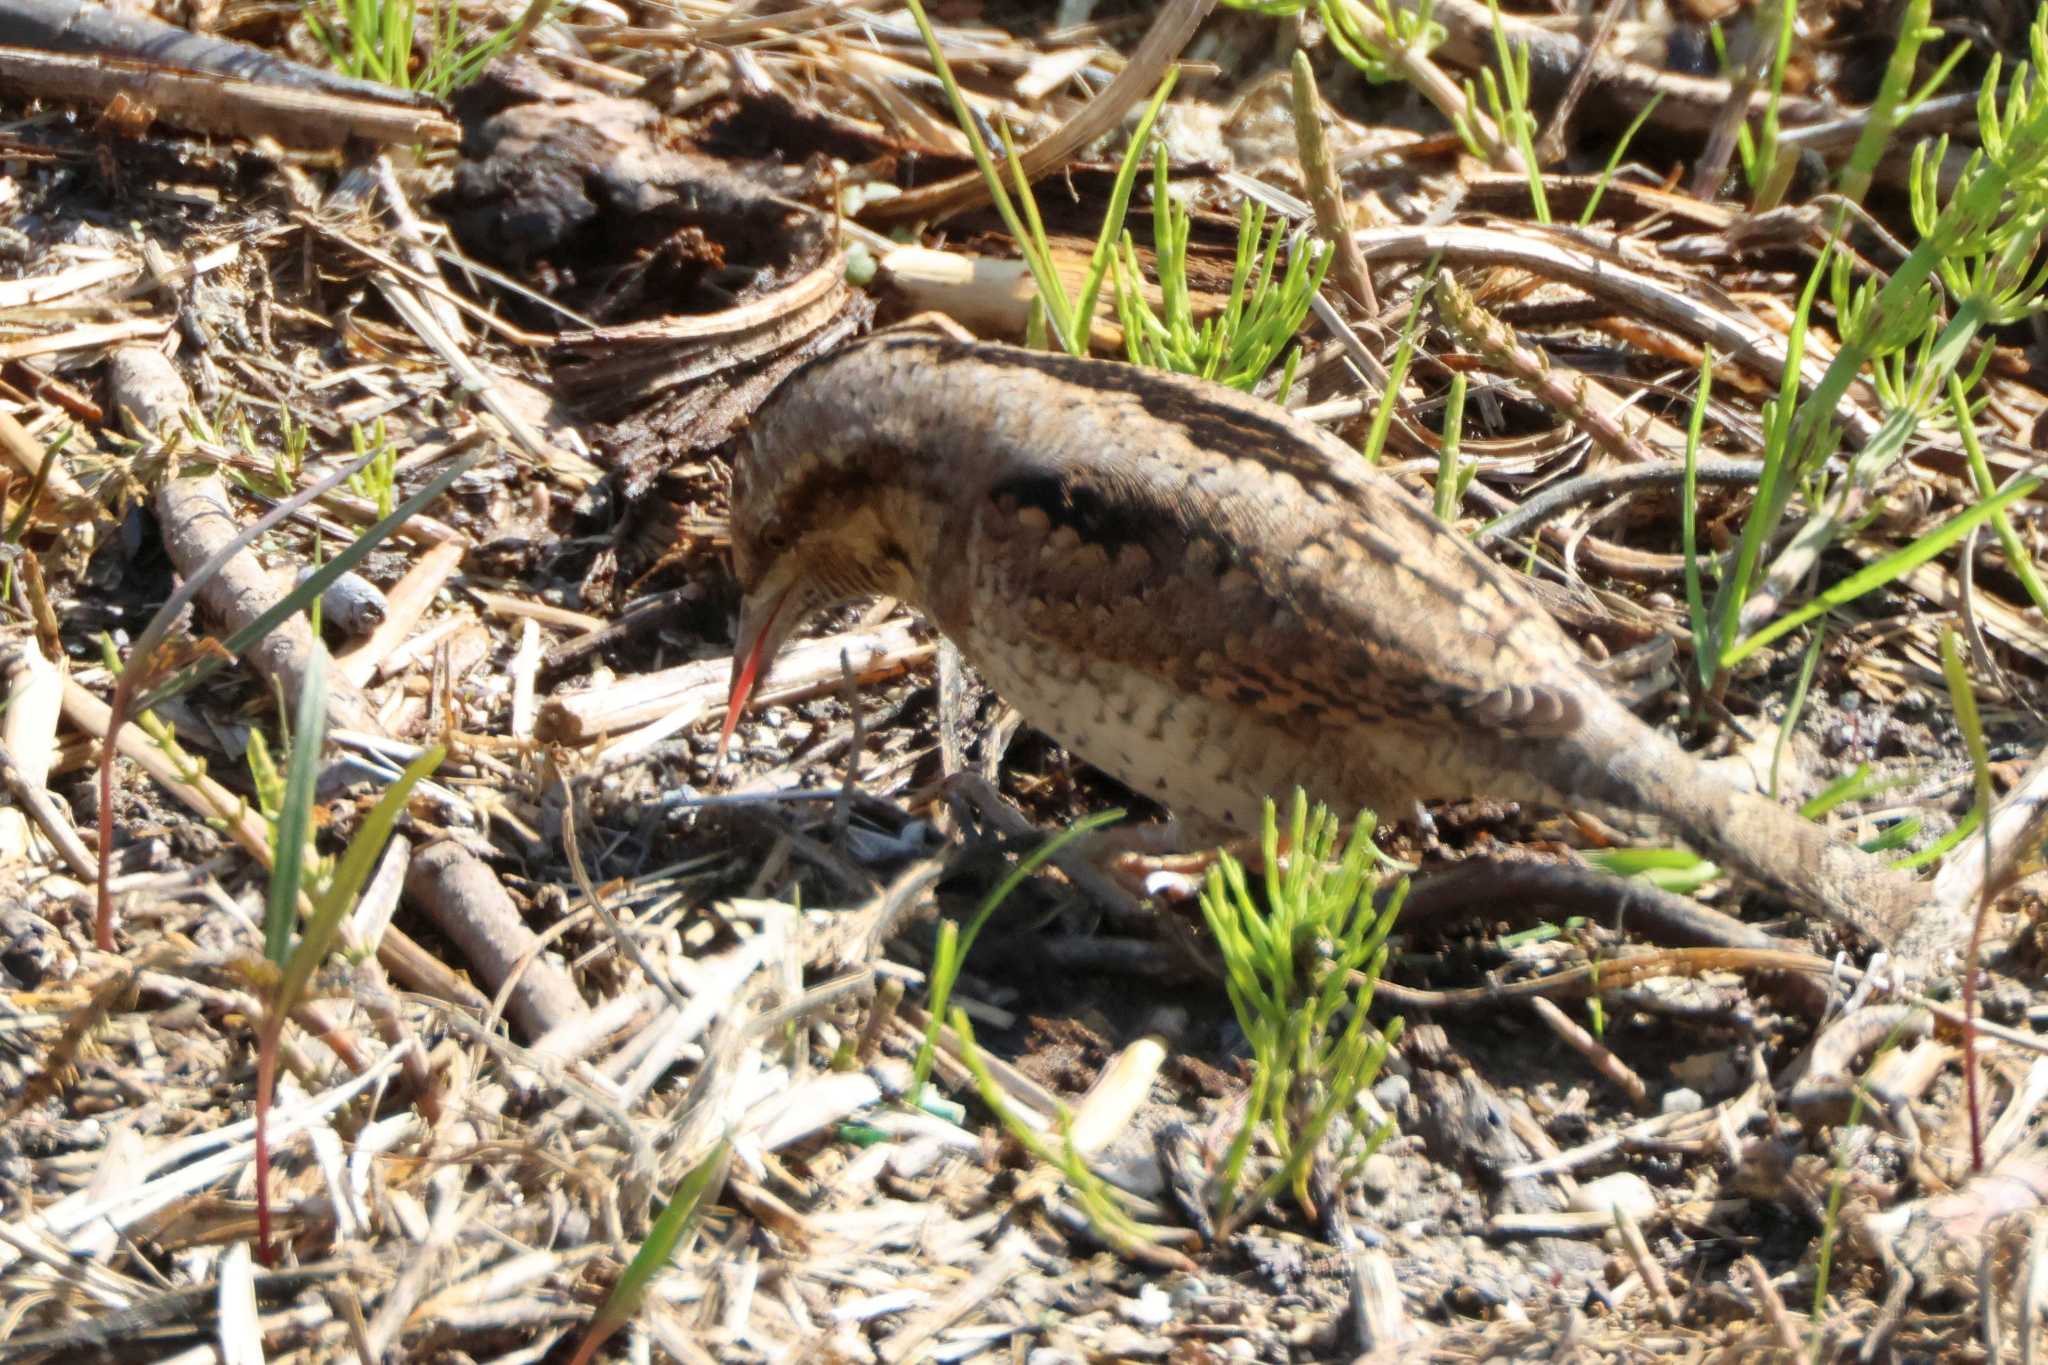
<point x="202" y="102"/>
<point x="85" y="29"/>
<point x="196" y="522"/>
<point x="463" y="898"/>
<point x="576" y="170"/>
<point x="142" y="382"/>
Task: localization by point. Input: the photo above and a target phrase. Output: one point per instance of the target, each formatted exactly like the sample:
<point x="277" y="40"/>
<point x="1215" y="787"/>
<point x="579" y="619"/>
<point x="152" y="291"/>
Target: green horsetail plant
<point x="1979" y="254"/>
<point x="1300" y="965"/>
<point x="1507" y="100"/>
<point x="378" y="481"/>
<point x="376" y="40"/>
<point x="2017" y="558"/>
<point x="1261" y="313"/>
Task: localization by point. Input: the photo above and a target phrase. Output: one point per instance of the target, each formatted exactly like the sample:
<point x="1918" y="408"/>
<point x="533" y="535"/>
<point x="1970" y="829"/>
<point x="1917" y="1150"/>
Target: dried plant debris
<point x="587" y="195"/>
<point x="366" y="473"/>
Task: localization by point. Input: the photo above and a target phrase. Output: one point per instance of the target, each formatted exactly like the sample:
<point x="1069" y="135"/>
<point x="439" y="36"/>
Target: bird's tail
<point x="1786" y="854"/>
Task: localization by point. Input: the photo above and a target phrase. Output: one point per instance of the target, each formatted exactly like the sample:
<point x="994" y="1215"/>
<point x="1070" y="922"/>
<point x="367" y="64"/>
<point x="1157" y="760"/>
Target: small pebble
<point x="1152" y="1308"/>
<point x="893" y="1074"/>
<point x="1682" y="1100"/>
<point x="1379" y="1175"/>
<point x="1623" y="1189"/>
<point x="1391" y="1091"/>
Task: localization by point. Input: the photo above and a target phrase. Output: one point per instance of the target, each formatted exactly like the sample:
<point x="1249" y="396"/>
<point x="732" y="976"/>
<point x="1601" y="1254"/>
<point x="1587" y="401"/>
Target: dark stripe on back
<point x="1099" y="517"/>
<point x="1174" y="399"/>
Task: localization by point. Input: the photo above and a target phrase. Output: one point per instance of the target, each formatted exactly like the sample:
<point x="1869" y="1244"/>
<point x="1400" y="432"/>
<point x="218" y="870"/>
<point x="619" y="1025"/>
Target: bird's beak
<point x="760" y="635"/>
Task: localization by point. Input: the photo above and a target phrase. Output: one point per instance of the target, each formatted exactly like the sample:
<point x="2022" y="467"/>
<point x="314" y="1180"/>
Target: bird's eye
<point x="777" y="539"/>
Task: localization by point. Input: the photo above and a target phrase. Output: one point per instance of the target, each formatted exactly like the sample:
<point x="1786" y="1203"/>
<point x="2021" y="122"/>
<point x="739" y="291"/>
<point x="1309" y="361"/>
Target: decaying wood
<point x="197" y="522"/>
<point x="461" y="895"/>
<point x="989" y="297"/>
<point x="33" y="695"/>
<point x="683" y="696"/>
<point x="223" y="105"/>
<point x="86" y="29"/>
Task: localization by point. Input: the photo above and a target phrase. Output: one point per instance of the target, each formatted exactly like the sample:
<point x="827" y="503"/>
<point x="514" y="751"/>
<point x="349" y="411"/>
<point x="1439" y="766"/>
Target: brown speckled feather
<point x="1213" y="600"/>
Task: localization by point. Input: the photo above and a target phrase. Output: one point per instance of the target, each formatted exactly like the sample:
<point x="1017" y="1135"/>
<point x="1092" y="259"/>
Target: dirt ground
<point x="594" y="960"/>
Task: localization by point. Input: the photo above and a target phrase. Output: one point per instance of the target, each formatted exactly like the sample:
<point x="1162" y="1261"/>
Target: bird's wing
<point x="1328" y="602"/>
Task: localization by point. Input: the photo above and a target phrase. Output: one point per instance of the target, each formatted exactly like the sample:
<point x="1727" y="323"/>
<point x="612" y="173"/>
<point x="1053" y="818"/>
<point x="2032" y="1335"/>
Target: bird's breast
<point x="1182" y="750"/>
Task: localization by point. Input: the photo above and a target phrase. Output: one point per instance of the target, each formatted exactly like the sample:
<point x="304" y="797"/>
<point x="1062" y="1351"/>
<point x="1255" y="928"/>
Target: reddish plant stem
<point x="1971" y="1064"/>
<point x="266" y="1079"/>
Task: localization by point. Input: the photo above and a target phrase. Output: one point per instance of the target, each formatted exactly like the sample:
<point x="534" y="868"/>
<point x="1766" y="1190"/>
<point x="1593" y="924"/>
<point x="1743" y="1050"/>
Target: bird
<point x="1214" y="601"/>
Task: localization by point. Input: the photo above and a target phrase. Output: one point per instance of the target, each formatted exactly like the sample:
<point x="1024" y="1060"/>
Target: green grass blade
<point x="1051" y="292"/>
<point x="1614" y="158"/>
<point x="338" y="897"/>
<point x="315" y="583"/>
<point x="1893" y="101"/>
<point x="941" y="986"/>
<point x="1671" y="869"/>
<point x="1447" y="461"/>
<point x="1856" y="785"/>
<point x="677" y="1220"/>
<point x="1774" y="487"/>
<point x="1397" y="374"/>
<point x="1963" y="698"/>
<point x="1120" y="204"/>
<point x="1036" y="246"/>
<point x="295" y="817"/>
<point x="1704" y="651"/>
<point x="1938" y="850"/>
<point x="2016" y="557"/>
<point x="1892" y="566"/>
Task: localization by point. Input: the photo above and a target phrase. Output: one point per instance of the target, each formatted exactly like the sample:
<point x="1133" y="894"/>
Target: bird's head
<point x="820" y="515"/>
